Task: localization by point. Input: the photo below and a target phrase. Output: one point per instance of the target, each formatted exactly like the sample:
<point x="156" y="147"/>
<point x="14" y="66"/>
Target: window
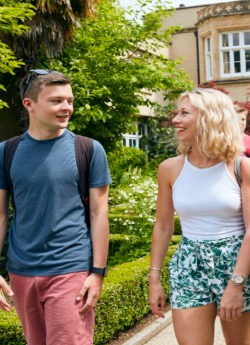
<point x="209" y="62"/>
<point x="133" y="140"/>
<point x="235" y="54"/>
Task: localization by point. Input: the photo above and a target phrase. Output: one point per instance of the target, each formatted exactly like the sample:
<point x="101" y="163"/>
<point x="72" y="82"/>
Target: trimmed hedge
<point x="10" y="329"/>
<point x="123" y="302"/>
<point x="128" y="224"/>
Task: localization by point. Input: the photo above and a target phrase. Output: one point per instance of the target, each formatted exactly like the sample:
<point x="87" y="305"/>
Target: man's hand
<point x="91" y="289"/>
<point x="5" y="290"/>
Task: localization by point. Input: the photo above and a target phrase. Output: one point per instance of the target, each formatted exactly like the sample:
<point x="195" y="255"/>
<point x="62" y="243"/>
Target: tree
<point x="11" y="17"/>
<point x="52" y="25"/>
<point x="110" y="61"/>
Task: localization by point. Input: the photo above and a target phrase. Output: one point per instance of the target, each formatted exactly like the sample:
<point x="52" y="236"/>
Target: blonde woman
<point x="209" y="273"/>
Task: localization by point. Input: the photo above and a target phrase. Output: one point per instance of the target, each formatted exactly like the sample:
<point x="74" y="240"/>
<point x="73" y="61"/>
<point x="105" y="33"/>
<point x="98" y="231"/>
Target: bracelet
<point x="154" y="268"/>
<point x="152" y="274"/>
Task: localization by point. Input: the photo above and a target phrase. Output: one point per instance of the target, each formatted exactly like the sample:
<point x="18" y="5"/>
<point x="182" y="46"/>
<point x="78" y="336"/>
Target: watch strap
<point x="101" y="271"/>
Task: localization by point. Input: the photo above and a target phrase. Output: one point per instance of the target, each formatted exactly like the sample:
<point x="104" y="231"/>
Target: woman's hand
<point x="231" y="303"/>
<point x="157" y="298"/>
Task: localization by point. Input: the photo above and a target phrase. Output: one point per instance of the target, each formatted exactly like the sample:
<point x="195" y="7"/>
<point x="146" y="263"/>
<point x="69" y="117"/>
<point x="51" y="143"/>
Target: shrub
<point x="123" y="159"/>
<point x="124" y="299"/>
<point x="10" y="329"/>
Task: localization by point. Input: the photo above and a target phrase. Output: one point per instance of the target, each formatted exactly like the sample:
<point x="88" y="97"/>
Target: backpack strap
<point x="237" y="169"/>
<point x="9" y="152"/>
<point x="83" y="150"/>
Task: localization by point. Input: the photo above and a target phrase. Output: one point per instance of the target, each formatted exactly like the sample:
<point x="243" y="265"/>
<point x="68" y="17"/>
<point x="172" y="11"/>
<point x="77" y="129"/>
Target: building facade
<point x="215" y="44"/>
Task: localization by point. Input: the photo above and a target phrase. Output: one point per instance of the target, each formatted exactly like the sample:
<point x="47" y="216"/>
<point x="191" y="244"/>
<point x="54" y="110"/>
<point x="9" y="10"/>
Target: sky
<point x="176" y="3"/>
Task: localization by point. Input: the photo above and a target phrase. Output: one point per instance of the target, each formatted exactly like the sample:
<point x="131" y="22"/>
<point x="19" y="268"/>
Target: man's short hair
<point x="31" y="84"/>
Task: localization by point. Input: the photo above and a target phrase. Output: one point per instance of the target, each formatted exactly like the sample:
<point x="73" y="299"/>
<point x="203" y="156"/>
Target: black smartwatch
<point x="97" y="270"/>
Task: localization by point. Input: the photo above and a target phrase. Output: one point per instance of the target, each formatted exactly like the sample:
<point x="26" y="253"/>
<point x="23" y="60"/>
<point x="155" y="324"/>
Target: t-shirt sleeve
<point x="99" y="174"/>
<point x="3" y="184"/>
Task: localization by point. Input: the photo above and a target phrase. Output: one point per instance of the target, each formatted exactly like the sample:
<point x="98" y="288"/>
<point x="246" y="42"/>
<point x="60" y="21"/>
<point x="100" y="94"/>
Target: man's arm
<point x="99" y="225"/>
<point x="4" y="215"/>
<point x="100" y="240"/>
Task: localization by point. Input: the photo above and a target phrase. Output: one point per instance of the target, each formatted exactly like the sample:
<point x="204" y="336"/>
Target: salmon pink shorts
<point x="48" y="309"/>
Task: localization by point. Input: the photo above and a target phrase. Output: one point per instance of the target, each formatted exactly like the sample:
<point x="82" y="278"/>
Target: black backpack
<point x="83" y="150"/>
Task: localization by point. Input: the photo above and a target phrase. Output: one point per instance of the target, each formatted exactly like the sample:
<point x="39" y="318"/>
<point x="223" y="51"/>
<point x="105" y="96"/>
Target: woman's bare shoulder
<point x="170" y="169"/>
<point x="173" y="162"/>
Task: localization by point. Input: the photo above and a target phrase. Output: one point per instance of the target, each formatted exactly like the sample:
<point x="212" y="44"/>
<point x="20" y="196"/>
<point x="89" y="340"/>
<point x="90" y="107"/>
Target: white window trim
<point x="209" y="59"/>
<point x="135" y="137"/>
<point x="231" y="49"/>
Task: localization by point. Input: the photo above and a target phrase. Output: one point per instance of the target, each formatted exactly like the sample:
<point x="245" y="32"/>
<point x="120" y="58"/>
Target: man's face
<point x="53" y="109"/>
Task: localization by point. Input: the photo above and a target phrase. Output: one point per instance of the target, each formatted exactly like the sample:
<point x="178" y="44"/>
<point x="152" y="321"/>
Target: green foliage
<point x="124" y="299"/>
<point x="11" y="17"/>
<point x="115" y="242"/>
<point x="132" y="244"/>
<point x="132" y="213"/>
<point x="124" y="158"/>
<point x="3" y="257"/>
<point x="111" y="60"/>
<point x="10" y="329"/>
<point x="161" y="140"/>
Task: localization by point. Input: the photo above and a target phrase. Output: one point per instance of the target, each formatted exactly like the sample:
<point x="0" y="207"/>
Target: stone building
<point x="215" y="44"/>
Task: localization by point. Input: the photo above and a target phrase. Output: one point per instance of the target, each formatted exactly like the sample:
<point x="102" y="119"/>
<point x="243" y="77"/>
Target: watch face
<point x="238" y="279"/>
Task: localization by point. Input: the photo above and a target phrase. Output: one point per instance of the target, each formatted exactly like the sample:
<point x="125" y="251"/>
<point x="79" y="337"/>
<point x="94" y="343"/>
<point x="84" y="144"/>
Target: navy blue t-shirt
<point x="48" y="235"/>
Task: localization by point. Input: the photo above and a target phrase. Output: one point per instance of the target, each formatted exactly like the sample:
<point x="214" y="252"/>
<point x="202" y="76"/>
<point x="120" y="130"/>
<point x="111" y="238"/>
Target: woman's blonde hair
<point x="218" y="130"/>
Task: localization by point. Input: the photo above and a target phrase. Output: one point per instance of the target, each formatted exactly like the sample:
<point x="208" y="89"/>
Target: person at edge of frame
<point x="209" y="272"/>
<point x="243" y="114"/>
<point x="55" y="262"/>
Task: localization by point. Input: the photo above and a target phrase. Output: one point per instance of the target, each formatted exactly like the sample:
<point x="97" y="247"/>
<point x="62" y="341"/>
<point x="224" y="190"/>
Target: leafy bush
<point x="124" y="299"/>
<point x="10" y="329"/>
<point x="123" y="159"/>
<point x="132" y="212"/>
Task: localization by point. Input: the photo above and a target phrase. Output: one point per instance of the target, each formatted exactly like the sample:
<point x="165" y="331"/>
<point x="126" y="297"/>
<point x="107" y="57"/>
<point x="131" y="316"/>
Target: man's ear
<point x="28" y="104"/>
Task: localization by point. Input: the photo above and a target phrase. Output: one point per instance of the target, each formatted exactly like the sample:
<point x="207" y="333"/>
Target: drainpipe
<point x="197" y="57"/>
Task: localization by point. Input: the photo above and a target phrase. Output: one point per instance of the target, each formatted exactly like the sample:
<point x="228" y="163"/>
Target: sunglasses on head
<point x="33" y="73"/>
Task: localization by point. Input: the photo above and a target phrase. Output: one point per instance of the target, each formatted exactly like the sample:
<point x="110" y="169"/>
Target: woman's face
<point x="185" y="121"/>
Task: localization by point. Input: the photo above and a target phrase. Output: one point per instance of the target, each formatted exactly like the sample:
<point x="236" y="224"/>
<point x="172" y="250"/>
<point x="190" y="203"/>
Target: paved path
<point x="166" y="336"/>
<point x="161" y="332"/>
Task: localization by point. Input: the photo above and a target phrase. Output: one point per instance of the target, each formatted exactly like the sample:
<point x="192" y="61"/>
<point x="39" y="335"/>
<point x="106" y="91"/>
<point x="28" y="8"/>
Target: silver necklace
<point x="199" y="166"/>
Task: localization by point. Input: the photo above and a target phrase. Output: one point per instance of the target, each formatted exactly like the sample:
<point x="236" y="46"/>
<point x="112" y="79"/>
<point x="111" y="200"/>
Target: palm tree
<point x="50" y="28"/>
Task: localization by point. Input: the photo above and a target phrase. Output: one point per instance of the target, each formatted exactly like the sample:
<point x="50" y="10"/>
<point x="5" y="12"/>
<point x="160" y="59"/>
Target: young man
<point x="55" y="262"/>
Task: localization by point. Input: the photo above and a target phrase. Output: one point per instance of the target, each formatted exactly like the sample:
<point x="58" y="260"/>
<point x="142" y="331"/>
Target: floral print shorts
<point x="200" y="271"/>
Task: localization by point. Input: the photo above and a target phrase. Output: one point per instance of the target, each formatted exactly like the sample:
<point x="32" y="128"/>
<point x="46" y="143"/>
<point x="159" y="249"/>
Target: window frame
<point x="209" y="58"/>
<point x="231" y="49"/>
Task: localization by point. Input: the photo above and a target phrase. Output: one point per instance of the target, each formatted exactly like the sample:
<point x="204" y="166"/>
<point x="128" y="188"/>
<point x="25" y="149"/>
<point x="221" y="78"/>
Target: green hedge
<point x="134" y="225"/>
<point x="10" y="329"/>
<point x="124" y="301"/>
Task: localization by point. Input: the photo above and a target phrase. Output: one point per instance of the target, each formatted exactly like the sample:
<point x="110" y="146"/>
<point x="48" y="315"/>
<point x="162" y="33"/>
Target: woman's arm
<point x="231" y="302"/>
<point x="162" y="233"/>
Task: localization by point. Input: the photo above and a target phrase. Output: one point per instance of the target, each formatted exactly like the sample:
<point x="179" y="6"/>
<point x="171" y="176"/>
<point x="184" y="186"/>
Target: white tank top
<point x="208" y="202"/>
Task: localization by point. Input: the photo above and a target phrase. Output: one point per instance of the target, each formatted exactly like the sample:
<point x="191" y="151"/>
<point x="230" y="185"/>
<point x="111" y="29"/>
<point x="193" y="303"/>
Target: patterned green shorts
<point x="200" y="270"/>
